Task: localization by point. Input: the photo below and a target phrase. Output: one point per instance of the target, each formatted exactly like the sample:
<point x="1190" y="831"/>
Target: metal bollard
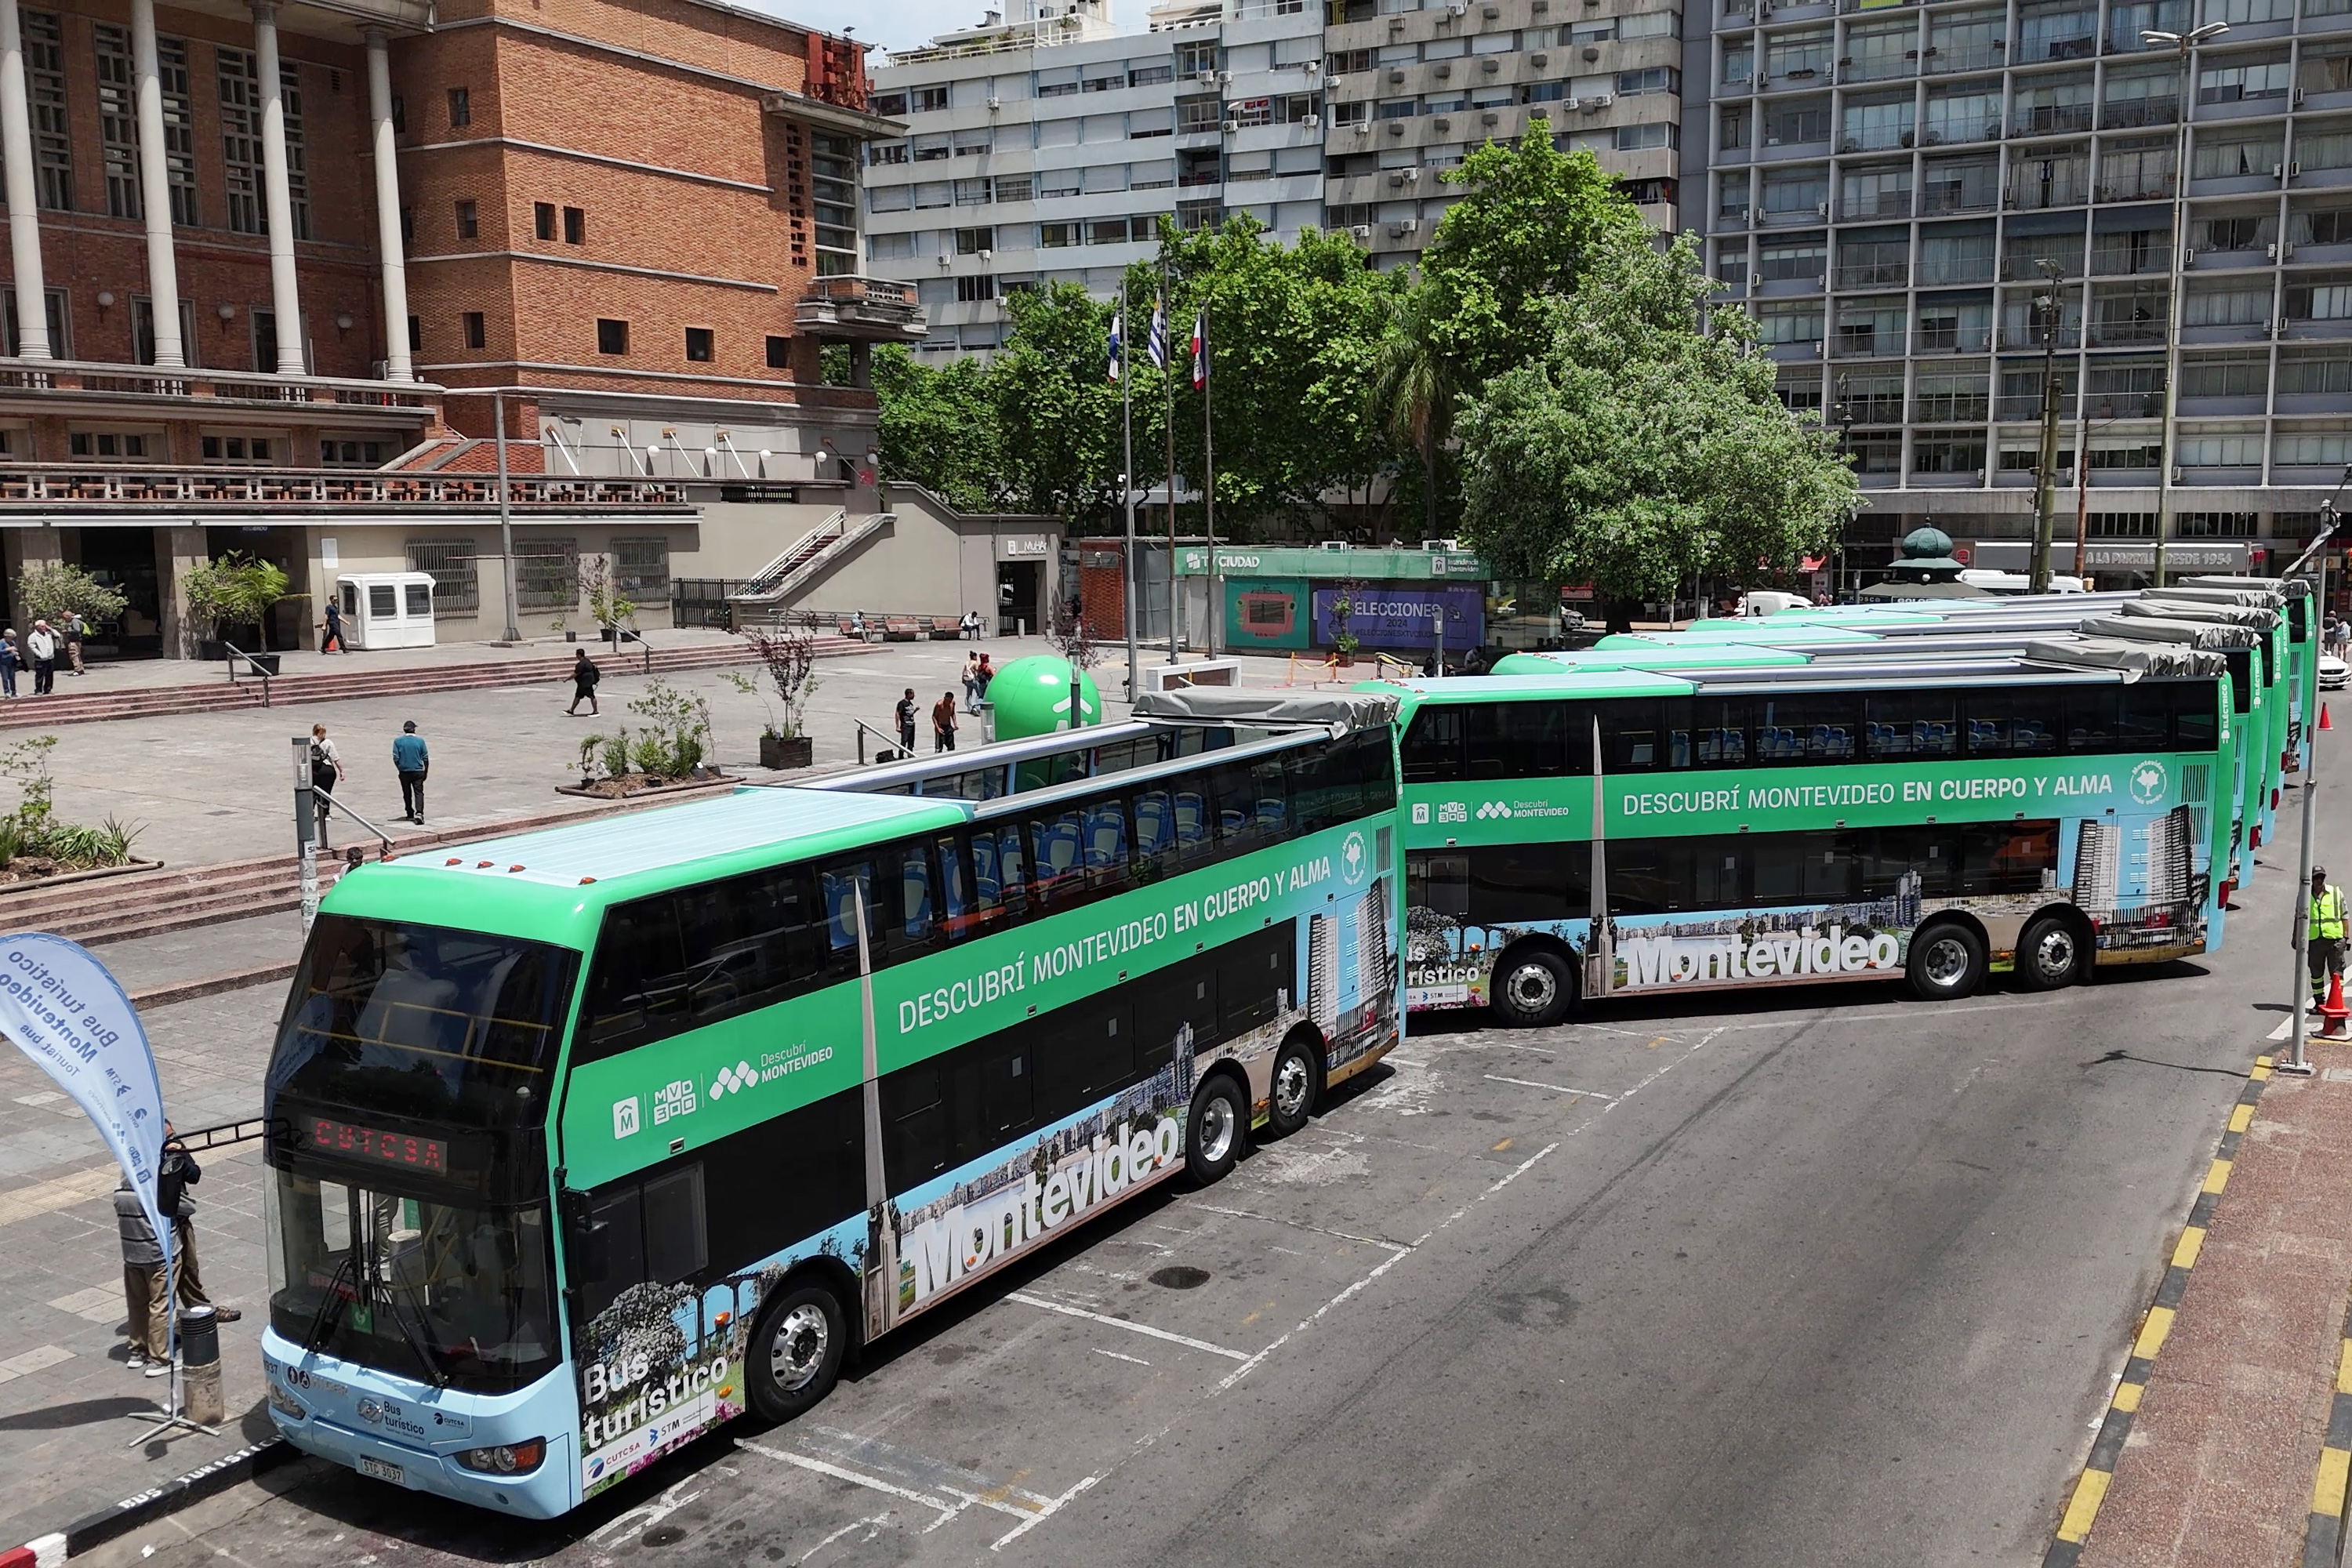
<point x="200" y="1370"/>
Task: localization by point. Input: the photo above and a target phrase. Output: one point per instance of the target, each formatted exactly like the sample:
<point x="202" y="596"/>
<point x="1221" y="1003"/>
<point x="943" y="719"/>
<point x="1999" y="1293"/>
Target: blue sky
<point x="901" y="24"/>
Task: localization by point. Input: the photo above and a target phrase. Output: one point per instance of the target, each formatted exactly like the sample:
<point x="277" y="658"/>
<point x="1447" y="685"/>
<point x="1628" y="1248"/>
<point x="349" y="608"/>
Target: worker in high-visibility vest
<point x="2327" y="933"/>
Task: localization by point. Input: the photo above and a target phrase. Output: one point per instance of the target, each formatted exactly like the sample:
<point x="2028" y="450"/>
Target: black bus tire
<point x="1946" y="962"/>
<point x="1290" y="1097"/>
<point x="794" y="1358"/>
<point x="2049" y="954"/>
<point x="1534" y="987"/>
<point x="1214" y="1129"/>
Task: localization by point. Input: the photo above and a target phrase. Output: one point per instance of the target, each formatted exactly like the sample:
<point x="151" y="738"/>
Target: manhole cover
<point x="1181" y="1277"/>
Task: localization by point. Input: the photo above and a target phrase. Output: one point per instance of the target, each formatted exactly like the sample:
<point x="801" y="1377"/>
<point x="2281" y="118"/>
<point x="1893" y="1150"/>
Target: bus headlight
<point x="284" y="1404"/>
<point x="507" y="1459"/>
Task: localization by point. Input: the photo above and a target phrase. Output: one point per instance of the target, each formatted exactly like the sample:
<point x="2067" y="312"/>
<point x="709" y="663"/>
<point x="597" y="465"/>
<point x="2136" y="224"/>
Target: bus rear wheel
<point x="1534" y="989"/>
<point x="794" y="1356"/>
<point x="2049" y="955"/>
<point x="1291" y="1099"/>
<point x="1947" y="961"/>
<point x="1214" y="1129"/>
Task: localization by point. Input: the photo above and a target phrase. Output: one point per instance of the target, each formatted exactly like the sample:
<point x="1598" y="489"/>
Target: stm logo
<point x="1493" y="811"/>
<point x="733" y="1079"/>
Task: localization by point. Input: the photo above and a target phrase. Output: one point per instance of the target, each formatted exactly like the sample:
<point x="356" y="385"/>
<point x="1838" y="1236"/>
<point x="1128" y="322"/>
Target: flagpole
<point x="1127" y="481"/>
<point x="1209" y="490"/>
<point x="1167" y="375"/>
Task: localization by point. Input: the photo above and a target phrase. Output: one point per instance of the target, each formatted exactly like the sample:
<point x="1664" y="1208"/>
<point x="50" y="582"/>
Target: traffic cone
<point x="2323" y="718"/>
<point x="2333" y="1009"/>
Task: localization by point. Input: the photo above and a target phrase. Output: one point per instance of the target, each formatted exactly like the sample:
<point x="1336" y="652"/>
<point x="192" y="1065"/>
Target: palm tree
<point x="1412" y="390"/>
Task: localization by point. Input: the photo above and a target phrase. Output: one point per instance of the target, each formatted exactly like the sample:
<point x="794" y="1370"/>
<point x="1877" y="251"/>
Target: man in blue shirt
<point x="408" y="755"/>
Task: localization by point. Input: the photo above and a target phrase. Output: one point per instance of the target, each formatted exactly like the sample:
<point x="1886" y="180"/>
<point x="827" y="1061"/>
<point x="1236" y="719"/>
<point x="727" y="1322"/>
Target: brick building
<point x="289" y="256"/>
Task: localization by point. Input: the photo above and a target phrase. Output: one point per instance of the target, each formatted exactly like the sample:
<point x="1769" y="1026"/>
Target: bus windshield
<point x="448" y="1295"/>
<point x="442" y="1025"/>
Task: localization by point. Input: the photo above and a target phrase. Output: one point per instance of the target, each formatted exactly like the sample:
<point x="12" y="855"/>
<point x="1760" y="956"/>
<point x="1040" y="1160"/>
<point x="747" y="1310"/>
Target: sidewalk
<point x="2225" y="1427"/>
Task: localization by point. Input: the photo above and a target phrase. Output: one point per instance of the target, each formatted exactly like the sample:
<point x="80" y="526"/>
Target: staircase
<point x="819" y="548"/>
<point x="68" y="707"/>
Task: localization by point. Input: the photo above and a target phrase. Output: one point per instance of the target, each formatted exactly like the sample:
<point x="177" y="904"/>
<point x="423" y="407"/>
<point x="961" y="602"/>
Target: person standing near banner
<point x="146" y="1288"/>
<point x="178" y="1173"/>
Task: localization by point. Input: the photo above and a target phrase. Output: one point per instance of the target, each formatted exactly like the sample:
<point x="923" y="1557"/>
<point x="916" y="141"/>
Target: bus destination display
<point x="401" y="1148"/>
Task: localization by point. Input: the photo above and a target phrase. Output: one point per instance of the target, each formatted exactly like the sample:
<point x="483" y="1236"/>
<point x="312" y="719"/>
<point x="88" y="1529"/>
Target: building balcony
<point x="861" y="310"/>
<point x="58" y="489"/>
<point x="84" y="388"/>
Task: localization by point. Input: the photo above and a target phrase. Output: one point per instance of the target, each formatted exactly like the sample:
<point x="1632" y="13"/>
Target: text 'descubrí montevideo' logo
<point x="1493" y="811"/>
<point x="2149" y="784"/>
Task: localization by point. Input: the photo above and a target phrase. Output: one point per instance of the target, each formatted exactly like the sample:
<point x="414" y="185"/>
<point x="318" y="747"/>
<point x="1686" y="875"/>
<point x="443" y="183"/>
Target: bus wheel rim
<point x="1948" y="960"/>
<point x="1532" y="988"/>
<point x="1216" y="1129"/>
<point x="2054" y="954"/>
<point x="799" y="1347"/>
<point x="1291" y="1083"/>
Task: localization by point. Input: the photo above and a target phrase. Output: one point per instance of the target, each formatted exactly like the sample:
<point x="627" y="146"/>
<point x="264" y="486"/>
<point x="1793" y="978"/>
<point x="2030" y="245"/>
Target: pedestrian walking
<point x="330" y="639"/>
<point x="146" y="1291"/>
<point x="943" y="723"/>
<point x="971" y="683"/>
<point x="43" y="646"/>
<point x="987" y="673"/>
<point x="326" y="773"/>
<point x="12" y="659"/>
<point x="2325" y="932"/>
<point x="584" y="676"/>
<point x="76" y="629"/>
<point x="904" y="713"/>
<point x="178" y="1173"/>
<point x="412" y="762"/>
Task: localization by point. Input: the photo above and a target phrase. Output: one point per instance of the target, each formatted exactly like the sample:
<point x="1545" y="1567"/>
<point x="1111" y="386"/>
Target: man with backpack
<point x="584" y="676"/>
<point x="326" y="774"/>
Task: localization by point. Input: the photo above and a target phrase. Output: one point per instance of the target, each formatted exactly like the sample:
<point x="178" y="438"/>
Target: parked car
<point x="2333" y="672"/>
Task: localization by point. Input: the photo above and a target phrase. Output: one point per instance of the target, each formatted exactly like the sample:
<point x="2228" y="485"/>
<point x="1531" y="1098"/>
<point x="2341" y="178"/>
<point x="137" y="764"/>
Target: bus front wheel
<point x="1291" y="1099"/>
<point x="1534" y="989"/>
<point x="1947" y="961"/>
<point x="794" y="1358"/>
<point x="1213" y="1132"/>
<point x="2049" y="955"/>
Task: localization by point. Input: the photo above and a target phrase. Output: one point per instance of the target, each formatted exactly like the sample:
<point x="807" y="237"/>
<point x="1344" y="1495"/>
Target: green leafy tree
<point x="939" y="428"/>
<point x="1413" y="390"/>
<point x="1646" y="445"/>
<point x="52" y="590"/>
<point x="1055" y="406"/>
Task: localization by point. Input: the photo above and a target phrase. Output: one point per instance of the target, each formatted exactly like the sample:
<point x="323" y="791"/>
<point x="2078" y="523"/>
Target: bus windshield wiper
<point x="327" y="1298"/>
<point x="421" y="1347"/>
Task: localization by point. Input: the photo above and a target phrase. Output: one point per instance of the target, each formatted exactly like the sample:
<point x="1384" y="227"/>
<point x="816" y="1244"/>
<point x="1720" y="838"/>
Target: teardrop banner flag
<point x="63" y="1009"/>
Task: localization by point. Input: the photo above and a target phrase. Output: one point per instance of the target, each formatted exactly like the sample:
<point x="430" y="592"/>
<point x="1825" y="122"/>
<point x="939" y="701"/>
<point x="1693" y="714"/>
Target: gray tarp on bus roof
<point x="2193" y="610"/>
<point x="1231" y="705"/>
<point x="2196" y="634"/>
<point x="2298" y="587"/>
<point x="2132" y="657"/>
<point x="2263" y="599"/>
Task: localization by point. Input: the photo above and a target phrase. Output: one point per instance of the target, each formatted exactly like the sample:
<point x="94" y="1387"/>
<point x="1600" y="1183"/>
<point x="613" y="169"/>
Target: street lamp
<point x="2184" y="45"/>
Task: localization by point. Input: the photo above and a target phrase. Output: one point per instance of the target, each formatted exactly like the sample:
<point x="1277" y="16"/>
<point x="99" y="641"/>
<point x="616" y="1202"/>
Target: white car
<point x="2332" y="673"/>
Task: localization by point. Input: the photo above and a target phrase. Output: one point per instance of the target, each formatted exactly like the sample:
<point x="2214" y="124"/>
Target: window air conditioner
<point x="1933" y="139"/>
<point x="2277" y="170"/>
<point x="1332" y="544"/>
<point x="1207" y="79"/>
<point x="2189" y="256"/>
<point x="1762" y="79"/>
<point x="2178" y="475"/>
<point x="1312" y="67"/>
<point x="1363" y="128"/>
<point x="2270" y="252"/>
<point x="995" y="104"/>
<point x="1570" y="104"/>
<point x="1490" y="118"/>
<point x="1313" y="122"/>
<point x="2292" y="170"/>
<point x="944" y="261"/>
<point x="1403" y="227"/>
<point x="1224" y="78"/>
<point x="1412" y="177"/>
<point x="1396" y="179"/>
<point x="1820" y="209"/>
<point x="1396" y="127"/>
<point x="1395" y="76"/>
<point x="1362" y="231"/>
<point x="1230" y="126"/>
<point x="1490" y="65"/>
<point x="1600" y="100"/>
<point x="1540" y="61"/>
<point x="1457" y="7"/>
<point x="1591" y="51"/>
<point x="1444" y="124"/>
<point x="1443" y="70"/>
<point x="2281" y="328"/>
<point x="1490" y="12"/>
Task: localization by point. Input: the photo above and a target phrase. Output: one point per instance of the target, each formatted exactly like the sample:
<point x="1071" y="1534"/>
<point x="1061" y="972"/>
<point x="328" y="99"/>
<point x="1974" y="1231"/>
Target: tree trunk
<point x="1431" y="500"/>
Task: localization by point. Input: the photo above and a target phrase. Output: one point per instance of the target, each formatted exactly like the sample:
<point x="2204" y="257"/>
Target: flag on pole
<point x="1117" y="340"/>
<point x="1200" y="350"/>
<point x="1157" y="345"/>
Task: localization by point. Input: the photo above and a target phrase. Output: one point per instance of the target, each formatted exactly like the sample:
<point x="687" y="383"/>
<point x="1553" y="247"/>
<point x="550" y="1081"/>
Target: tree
<point x="1523" y="234"/>
<point x="236" y="590"/>
<point x="1647" y="445"/>
<point x="939" y="428"/>
<point x="1055" y="406"/>
<point x="1412" y="390"/>
<point x="52" y="590"/>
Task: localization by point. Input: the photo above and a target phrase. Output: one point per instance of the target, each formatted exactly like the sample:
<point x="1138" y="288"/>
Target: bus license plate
<point x="382" y="1469"/>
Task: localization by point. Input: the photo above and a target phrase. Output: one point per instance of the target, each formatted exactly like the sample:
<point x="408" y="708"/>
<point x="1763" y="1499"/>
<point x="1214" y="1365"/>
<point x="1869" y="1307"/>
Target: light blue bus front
<point x="469" y="1446"/>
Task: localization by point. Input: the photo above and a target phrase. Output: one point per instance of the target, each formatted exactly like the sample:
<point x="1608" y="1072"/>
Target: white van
<point x="1770" y="602"/>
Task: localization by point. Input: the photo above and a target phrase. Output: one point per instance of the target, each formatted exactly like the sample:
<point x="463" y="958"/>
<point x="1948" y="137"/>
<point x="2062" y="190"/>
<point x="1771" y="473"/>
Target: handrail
<point x="329" y="796"/>
<point x="863" y="730"/>
<point x="236" y="653"/>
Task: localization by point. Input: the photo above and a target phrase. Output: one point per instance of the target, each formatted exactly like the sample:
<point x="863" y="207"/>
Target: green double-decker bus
<point x="583" y="1141"/>
<point x="1573" y="836"/>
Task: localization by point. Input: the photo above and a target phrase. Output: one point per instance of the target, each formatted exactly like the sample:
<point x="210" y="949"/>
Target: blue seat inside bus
<point x="1155" y="824"/>
<point x="1106" y="834"/>
<point x="841" y="910"/>
<point x="1191" y="820"/>
<point x="987" y="882"/>
<point x="1053" y="848"/>
<point x="915" y="882"/>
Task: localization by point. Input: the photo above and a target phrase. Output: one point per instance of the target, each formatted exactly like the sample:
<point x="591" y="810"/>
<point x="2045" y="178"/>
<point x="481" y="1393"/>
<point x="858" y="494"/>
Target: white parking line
<point x="1508" y="1045"/>
<point x="1114" y="1355"/>
<point x="1040" y="1516"/>
<point x="1555" y="1088"/>
<point x="1026" y="1299"/>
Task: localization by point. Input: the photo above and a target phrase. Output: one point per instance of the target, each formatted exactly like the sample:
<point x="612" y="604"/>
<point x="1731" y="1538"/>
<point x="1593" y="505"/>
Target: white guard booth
<point x="387" y="609"/>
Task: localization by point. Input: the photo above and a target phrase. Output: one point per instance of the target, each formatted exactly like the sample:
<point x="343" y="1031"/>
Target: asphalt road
<point x="1825" y="1277"/>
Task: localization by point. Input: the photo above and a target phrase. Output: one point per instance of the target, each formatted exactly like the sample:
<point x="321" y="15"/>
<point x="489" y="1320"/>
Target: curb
<point x="2099" y="1469"/>
<point x="93" y="1529"/>
<point x="189" y="990"/>
<point x="2323" y="1537"/>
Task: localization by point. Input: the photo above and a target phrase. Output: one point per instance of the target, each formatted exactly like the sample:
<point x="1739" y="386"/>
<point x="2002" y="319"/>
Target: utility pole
<point x="506" y="519"/>
<point x="2046" y="470"/>
<point x="1125" y="478"/>
<point x="2301" y="991"/>
<point x="2184" y="44"/>
<point x="306" y="830"/>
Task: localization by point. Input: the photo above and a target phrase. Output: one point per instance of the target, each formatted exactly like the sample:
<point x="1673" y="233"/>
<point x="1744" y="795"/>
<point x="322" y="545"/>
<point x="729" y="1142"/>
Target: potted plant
<point x="606" y="606"/>
<point x="788" y="661"/>
<point x="227" y="601"/>
<point x="1344" y="641"/>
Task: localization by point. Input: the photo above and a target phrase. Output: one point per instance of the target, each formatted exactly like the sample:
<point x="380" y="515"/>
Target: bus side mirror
<point x="587" y="1242"/>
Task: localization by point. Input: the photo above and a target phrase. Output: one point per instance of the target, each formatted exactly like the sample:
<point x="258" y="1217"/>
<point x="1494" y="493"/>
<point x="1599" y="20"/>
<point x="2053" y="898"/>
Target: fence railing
<point x="139" y="484"/>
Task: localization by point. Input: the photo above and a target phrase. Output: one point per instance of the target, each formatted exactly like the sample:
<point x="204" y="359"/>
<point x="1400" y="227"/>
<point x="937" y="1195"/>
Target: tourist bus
<point x="583" y="1141"/>
<point x="1575" y="837"/>
<point x="2302" y="626"/>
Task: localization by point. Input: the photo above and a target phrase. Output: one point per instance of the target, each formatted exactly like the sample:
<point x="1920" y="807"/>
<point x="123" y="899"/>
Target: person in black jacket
<point x="178" y="1173"/>
<point x="584" y="676"/>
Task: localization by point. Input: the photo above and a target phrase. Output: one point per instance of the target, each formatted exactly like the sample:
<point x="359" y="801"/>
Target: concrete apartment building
<point x="1886" y="182"/>
<point x="288" y="254"/>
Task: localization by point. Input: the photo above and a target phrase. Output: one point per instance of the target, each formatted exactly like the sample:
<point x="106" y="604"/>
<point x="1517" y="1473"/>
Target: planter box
<point x="780" y="752"/>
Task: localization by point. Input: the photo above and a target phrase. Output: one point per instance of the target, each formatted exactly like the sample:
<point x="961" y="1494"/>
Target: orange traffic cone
<point x="2333" y="1009"/>
<point x="2323" y="718"/>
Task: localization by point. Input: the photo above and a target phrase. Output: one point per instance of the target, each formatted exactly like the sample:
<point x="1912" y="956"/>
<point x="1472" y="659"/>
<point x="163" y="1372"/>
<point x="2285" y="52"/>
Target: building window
<point x="475" y="335"/>
<point x="115" y="444"/>
<point x="246" y="449"/>
<point x="335" y="452"/>
<point x="240" y="100"/>
<point x="45" y="68"/>
<point x="456" y="587"/>
<point x="641" y="569"/>
<point x="118" y="121"/>
<point x="1191" y="59"/>
<point x="927" y="99"/>
<point x="461" y="108"/>
<point x="611" y="336"/>
<point x="142" y="331"/>
<point x="780" y="353"/>
<point x="468" y="220"/>
<point x="698" y="345"/>
<point x="576" y="225"/>
<point x="179" y="129"/>
<point x="972" y="241"/>
<point x="416" y="334"/>
<point x="833" y="200"/>
<point x="542" y="220"/>
<point x="59" y="318"/>
<point x="975" y="290"/>
<point x="548" y="576"/>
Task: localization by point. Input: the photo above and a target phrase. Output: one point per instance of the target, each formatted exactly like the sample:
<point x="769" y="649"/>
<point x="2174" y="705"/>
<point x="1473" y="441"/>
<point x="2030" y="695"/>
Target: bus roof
<point x="1656" y="655"/>
<point x="553" y="884"/>
<point x="1566" y="683"/>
